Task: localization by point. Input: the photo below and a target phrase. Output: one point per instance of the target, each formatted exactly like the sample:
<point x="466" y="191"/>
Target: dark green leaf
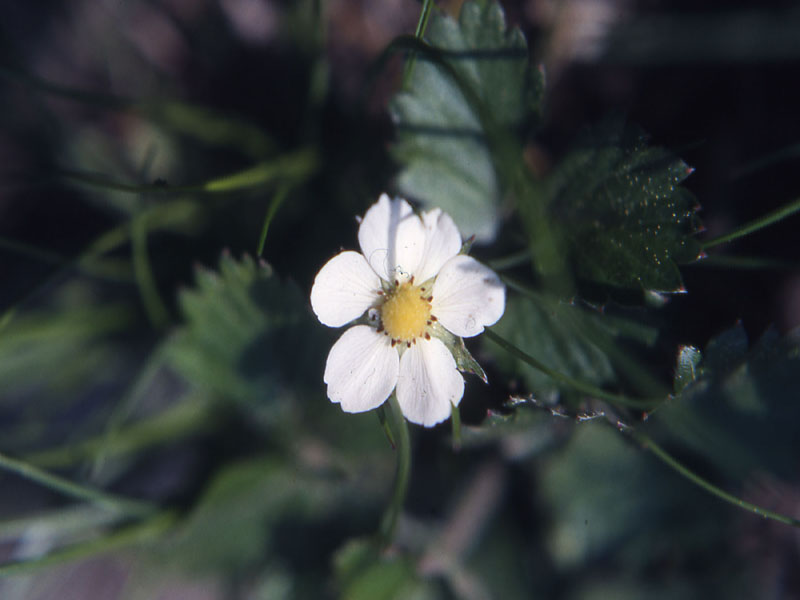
<point x="554" y="333"/>
<point x="366" y="575"/>
<point x="601" y="490"/>
<point x="442" y="141"/>
<point x="627" y="221"/>
<point x="742" y="409"/>
<point x="231" y="526"/>
<point x="248" y="336"/>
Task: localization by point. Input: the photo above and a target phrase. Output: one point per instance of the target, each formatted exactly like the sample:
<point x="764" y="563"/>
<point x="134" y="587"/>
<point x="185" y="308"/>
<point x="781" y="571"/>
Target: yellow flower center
<point x="406" y="313"/>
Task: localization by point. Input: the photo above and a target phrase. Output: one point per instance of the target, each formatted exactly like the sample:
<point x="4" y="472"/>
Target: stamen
<point x="393" y="342"/>
<point x="433" y="318"/>
<point x="429" y="298"/>
<point x="408" y="344"/>
<point x="427" y="335"/>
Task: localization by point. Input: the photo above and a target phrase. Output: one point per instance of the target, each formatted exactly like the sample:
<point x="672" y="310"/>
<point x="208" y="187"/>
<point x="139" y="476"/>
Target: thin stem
<point x="723" y="261"/>
<point x="134" y="534"/>
<point x="455" y="419"/>
<point x="75" y="490"/>
<point x="709" y="487"/>
<point x="183" y="420"/>
<point x="403" y="473"/>
<point x="153" y="304"/>
<point x="381" y="412"/>
<point x="576" y="384"/>
<point x="295" y="166"/>
<point x="760" y="223"/>
<point x="512" y="260"/>
<point x="422" y="25"/>
<point x="277" y="200"/>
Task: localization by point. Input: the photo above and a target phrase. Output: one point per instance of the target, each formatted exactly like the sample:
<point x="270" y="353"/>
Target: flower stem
<point x="575" y="384"/>
<point x="709" y="487"/>
<point x="403" y="473"/>
<point x="455" y="418"/>
<point x="755" y="225"/>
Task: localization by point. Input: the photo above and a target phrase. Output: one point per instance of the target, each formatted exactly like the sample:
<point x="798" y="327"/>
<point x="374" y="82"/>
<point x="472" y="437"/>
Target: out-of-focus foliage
<point x="248" y="337"/>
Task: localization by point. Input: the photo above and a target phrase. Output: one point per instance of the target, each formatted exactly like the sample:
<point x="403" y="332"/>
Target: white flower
<point x="409" y="282"/>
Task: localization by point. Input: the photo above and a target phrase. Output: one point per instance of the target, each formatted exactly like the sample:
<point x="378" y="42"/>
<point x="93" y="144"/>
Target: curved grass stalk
<point x="753" y="226"/>
<point x="706" y="485"/>
<point x="154" y="306"/>
<point x="134" y="508"/>
<point x="134" y="534"/>
<point x="294" y="166"/>
<point x="576" y="384"/>
<point x="277" y="201"/>
<point x="182" y="420"/>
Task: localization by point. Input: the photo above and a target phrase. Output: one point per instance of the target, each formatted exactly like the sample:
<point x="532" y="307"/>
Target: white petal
<point x="443" y="242"/>
<point x="392" y="238"/>
<point x="343" y="289"/>
<point x="467" y="296"/>
<point x="361" y="370"/>
<point x="429" y="383"/>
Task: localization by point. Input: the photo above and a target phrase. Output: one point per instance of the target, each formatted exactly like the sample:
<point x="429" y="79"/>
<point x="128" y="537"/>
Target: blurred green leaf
<point x="231" y="526"/>
<point x="364" y="574"/>
<point x="601" y="491"/>
<point x="57" y="351"/>
<point x="741" y="410"/>
<point x="554" y="333"/>
<point x="248" y="336"/>
<point x="626" y="221"/>
<point x="442" y="143"/>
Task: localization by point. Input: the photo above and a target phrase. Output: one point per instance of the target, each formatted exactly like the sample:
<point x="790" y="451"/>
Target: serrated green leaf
<point x="687" y="369"/>
<point x="248" y="336"/>
<point x="741" y="411"/>
<point x="626" y="221"/>
<point x="442" y="141"/>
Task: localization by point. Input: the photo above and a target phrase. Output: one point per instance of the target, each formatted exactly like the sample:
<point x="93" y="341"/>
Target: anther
<point x="393" y="342"/>
<point x="408" y="344"/>
<point x="429" y="298"/>
<point x="427" y="335"/>
<point x="433" y="318"/>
